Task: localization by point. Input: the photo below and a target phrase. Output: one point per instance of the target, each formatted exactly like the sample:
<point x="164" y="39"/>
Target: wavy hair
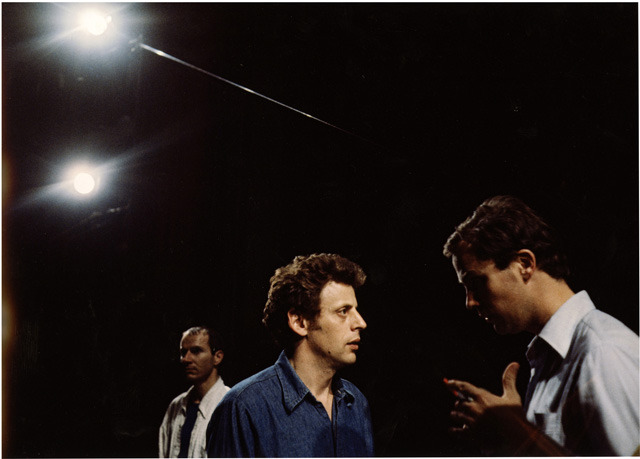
<point x="297" y="287"/>
<point x="503" y="225"/>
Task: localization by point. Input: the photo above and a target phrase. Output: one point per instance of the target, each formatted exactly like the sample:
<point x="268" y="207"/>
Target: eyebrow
<point x="190" y="348"/>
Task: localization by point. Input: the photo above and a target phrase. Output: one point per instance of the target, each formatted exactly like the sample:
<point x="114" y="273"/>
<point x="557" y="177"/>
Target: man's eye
<point x="474" y="284"/>
<point x="342" y="312"/>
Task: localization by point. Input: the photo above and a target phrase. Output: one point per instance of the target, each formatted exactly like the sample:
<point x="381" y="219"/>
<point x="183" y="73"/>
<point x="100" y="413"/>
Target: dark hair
<point x="215" y="340"/>
<point x="503" y="225"/>
<point x="297" y="287"/>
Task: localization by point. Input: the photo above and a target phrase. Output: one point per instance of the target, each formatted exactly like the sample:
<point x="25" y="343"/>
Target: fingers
<point x="460" y="418"/>
<point x="462" y="387"/>
<point x="509" y="377"/>
<point x="462" y="425"/>
<point x="470" y="410"/>
<point x="464" y="429"/>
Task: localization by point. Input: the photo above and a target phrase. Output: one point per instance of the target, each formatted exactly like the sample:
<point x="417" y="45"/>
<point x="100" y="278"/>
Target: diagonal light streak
<point x="251" y="91"/>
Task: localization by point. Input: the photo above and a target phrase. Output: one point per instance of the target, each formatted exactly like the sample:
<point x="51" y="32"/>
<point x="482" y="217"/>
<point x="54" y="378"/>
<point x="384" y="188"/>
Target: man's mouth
<point x="355" y="344"/>
<point x="483" y="316"/>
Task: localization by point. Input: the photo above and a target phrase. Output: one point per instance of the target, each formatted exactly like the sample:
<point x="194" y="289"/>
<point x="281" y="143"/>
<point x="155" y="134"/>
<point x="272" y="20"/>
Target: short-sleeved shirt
<point x="273" y="414"/>
<point x="584" y="386"/>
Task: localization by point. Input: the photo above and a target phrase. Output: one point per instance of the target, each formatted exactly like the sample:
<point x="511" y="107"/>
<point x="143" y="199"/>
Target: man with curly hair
<point x="299" y="407"/>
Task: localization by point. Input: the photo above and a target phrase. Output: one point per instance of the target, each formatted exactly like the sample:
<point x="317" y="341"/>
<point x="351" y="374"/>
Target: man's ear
<point x="527" y="264"/>
<point x="218" y="356"/>
<point x="297" y="323"/>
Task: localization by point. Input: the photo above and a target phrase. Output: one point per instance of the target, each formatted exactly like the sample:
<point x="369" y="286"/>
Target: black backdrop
<point x="209" y="188"/>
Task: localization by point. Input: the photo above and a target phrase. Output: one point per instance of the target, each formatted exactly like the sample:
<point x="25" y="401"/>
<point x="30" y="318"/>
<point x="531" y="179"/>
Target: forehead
<point x="466" y="263"/>
<point x="199" y="340"/>
<point x="334" y="295"/>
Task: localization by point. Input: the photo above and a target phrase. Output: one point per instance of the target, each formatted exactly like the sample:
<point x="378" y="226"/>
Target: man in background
<point x="299" y="407"/>
<point x="183" y="429"/>
<point x="582" y="398"/>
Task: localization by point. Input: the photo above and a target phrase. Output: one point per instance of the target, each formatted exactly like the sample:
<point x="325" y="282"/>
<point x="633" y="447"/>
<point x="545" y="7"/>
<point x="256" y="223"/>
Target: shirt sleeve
<point x="231" y="432"/>
<point x="609" y="396"/>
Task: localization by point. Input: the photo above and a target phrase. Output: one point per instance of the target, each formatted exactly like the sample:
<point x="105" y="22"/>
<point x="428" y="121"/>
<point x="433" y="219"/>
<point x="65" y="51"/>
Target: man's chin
<point x="339" y="364"/>
<point x="349" y="360"/>
<point x="502" y="329"/>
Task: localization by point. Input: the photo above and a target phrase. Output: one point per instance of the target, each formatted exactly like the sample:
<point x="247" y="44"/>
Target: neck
<point x="314" y="373"/>
<point x="550" y="294"/>
<point x="203" y="387"/>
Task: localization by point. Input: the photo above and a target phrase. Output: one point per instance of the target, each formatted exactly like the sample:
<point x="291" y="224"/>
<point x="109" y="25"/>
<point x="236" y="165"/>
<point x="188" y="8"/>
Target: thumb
<point x="510" y="392"/>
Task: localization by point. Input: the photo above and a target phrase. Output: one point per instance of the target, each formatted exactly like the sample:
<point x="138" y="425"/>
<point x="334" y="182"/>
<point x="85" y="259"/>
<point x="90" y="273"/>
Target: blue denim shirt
<point x="273" y="414"/>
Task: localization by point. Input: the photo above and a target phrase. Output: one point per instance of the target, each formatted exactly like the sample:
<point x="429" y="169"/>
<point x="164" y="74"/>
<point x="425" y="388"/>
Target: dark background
<point x="207" y="189"/>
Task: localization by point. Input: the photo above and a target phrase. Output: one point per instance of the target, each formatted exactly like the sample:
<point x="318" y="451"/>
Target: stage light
<point x="84" y="183"/>
<point x="96" y="28"/>
<point x="83" y="179"/>
<point x="94" y="22"/>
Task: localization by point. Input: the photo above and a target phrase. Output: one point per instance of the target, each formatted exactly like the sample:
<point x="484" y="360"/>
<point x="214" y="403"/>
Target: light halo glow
<point x="83" y="179"/>
<point x="84" y="183"/>
<point x="94" y="22"/>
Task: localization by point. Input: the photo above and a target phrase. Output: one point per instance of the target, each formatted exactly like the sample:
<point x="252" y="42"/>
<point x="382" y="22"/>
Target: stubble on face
<point x="334" y="334"/>
<point x="494" y="294"/>
<point x="197" y="358"/>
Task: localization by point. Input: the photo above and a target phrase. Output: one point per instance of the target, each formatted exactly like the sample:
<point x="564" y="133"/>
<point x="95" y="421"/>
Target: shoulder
<point x="178" y="400"/>
<point x="259" y="386"/>
<point x="175" y="405"/>
<point x="598" y="328"/>
<point x="603" y="343"/>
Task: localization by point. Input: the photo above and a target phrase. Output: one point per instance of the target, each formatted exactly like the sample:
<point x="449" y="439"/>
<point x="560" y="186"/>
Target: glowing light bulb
<point x="84" y="183"/>
<point x="94" y="22"/>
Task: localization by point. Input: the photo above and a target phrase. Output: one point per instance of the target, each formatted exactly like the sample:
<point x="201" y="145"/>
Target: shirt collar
<point x="208" y="398"/>
<point x="294" y="390"/>
<point x="340" y="392"/>
<point x="558" y="331"/>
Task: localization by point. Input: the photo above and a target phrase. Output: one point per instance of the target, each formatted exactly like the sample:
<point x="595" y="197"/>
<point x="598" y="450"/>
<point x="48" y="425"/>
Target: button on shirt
<point x="273" y="414"/>
<point x="584" y="388"/>
<point x="174" y="418"/>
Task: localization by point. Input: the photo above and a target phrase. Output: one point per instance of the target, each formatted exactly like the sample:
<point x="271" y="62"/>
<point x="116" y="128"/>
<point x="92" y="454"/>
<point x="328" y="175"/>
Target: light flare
<point x="84" y="183"/>
<point x="94" y="22"/>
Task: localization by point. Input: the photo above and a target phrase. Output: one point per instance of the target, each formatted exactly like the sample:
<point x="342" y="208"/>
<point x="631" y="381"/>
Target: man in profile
<point x="299" y="407"/>
<point x="582" y="397"/>
<point x="183" y="429"/>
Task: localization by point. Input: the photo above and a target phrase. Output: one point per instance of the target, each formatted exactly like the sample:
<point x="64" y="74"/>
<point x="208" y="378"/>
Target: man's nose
<point x="471" y="301"/>
<point x="359" y="322"/>
<point x="186" y="358"/>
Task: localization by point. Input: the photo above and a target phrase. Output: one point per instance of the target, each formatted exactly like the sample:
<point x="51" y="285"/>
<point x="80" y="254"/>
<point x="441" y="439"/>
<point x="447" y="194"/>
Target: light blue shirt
<point x="584" y="388"/>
